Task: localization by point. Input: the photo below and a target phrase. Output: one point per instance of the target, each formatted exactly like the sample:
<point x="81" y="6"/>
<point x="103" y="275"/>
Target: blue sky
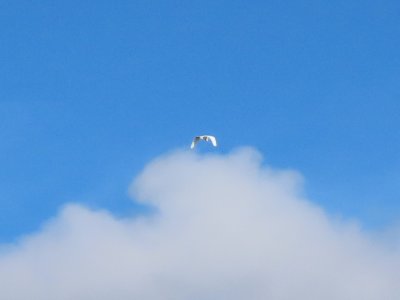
<point x="93" y="90"/>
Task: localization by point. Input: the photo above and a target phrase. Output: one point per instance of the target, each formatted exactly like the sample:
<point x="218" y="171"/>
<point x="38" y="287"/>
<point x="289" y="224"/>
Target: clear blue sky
<point x="90" y="91"/>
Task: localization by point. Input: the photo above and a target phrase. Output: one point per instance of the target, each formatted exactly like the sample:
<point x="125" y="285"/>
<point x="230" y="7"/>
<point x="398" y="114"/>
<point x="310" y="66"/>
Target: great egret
<point x="207" y="138"/>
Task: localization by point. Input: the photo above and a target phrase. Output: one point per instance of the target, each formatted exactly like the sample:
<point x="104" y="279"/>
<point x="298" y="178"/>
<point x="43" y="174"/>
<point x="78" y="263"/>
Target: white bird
<point x="207" y="138"/>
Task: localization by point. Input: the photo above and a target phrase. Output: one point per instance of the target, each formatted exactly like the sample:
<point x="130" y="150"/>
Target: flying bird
<point x="207" y="138"/>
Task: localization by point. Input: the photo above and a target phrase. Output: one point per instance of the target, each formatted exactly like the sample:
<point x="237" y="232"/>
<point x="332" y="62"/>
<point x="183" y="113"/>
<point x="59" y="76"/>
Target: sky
<point x="93" y="91"/>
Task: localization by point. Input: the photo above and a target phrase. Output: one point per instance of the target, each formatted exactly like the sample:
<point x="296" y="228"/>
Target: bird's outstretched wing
<point x="213" y="140"/>
<point x="195" y="141"/>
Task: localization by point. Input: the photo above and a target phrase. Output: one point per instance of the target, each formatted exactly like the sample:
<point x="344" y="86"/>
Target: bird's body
<point x="207" y="138"/>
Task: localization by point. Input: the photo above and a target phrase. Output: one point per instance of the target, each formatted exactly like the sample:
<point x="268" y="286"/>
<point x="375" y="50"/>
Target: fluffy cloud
<point x="223" y="227"/>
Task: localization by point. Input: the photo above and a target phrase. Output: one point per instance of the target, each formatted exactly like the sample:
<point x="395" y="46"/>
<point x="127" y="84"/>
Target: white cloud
<point x="225" y="227"/>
